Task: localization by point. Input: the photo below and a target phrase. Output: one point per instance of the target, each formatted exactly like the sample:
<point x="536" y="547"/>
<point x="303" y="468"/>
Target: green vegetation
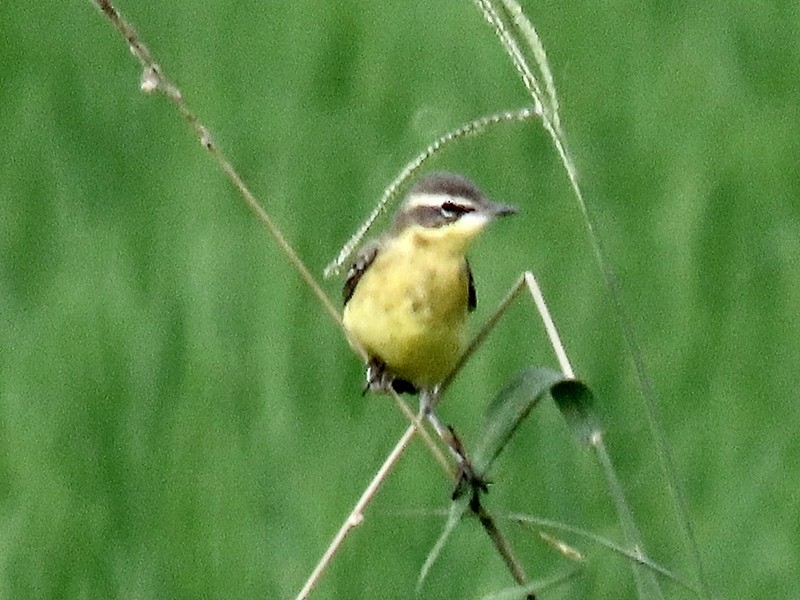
<point x="180" y="419"/>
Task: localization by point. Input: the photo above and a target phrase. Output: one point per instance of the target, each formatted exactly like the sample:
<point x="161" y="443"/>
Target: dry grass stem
<point x="356" y="516"/>
<point x="153" y="79"/>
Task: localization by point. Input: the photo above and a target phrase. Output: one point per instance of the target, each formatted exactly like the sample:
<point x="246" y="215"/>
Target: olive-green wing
<point x="472" y="299"/>
<point x="366" y="256"/>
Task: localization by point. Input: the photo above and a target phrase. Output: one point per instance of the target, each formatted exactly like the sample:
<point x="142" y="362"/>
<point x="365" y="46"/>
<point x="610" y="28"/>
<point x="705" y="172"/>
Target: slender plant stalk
<point x="528" y="279"/>
<point x="539" y="585"/>
<point x="551" y="122"/>
<point x="356" y="516"/>
<point x="549" y="325"/>
<point x="634" y="556"/>
<point x="646" y="583"/>
<point x="501" y="544"/>
<point x="154" y="79"/>
<point x="470" y="129"/>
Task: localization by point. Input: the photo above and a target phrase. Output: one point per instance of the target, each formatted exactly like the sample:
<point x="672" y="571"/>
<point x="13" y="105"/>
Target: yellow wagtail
<point x="408" y="294"/>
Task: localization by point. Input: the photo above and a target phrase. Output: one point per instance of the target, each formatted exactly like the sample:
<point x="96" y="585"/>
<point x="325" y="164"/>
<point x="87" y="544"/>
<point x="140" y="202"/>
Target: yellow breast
<point x="410" y="307"/>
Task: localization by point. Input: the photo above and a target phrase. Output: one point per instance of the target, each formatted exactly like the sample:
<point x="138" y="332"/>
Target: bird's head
<point x="446" y="208"/>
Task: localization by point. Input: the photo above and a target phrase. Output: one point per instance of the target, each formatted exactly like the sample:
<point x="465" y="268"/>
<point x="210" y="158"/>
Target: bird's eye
<point x="451" y="210"/>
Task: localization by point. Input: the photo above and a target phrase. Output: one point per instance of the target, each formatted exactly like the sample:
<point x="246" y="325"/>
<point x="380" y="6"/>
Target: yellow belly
<point x="409" y="310"/>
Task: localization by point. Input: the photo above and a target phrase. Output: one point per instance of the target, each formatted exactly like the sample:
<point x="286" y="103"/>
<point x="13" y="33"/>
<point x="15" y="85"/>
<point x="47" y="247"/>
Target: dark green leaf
<point x="574" y="399"/>
<point x="515" y="401"/>
<point x="509" y="409"/>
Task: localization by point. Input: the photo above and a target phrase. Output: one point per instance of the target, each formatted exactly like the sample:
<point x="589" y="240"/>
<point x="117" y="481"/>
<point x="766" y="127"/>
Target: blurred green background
<point x="180" y="419"/>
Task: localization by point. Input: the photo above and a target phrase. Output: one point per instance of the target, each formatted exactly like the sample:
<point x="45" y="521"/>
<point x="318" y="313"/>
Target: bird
<point x="408" y="293"/>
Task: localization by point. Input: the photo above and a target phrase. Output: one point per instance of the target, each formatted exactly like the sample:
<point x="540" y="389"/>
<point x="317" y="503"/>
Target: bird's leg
<point x="467" y="477"/>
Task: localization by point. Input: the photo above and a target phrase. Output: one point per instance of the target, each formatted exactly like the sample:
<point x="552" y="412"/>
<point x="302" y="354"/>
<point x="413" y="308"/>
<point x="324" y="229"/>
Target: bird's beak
<point x="502" y="210"/>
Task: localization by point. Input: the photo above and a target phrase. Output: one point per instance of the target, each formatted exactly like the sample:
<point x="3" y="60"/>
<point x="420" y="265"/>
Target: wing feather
<point x="364" y="259"/>
<point x="472" y="299"/>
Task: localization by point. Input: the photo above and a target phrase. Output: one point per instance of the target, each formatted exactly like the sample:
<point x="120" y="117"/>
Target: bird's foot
<point x="381" y="381"/>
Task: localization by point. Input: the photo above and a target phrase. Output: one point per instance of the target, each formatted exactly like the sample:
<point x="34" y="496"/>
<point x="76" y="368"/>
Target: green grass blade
<point x="509" y="409"/>
<point x="574" y="399"/>
<point x="634" y="557"/>
<point x="457" y="510"/>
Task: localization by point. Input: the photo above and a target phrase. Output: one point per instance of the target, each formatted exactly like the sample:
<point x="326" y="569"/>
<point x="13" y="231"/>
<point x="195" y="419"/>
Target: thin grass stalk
<point x="637" y="557"/>
<point x="153" y="80"/>
<point x="356" y="516"/>
<point x="552" y="126"/>
<point x="501" y="544"/>
<point x="646" y="584"/>
<point x="469" y="129"/>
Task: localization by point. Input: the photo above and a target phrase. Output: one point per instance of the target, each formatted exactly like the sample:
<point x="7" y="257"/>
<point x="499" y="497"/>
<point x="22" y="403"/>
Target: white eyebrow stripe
<point x="435" y="201"/>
